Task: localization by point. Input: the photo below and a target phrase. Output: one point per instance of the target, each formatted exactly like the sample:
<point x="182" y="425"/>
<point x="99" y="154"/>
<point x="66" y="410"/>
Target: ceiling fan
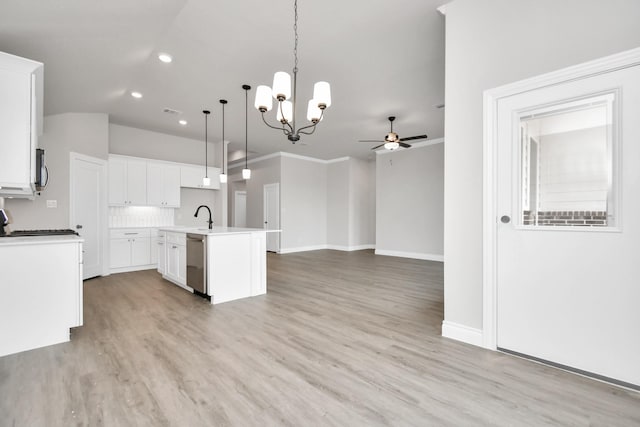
<point x="392" y="141"/>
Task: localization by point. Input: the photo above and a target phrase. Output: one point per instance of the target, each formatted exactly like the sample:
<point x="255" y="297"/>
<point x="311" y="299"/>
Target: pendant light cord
<point x="206" y="153"/>
<point x="223" y="138"/>
<point x="295" y="33"/>
<point x="246" y="127"/>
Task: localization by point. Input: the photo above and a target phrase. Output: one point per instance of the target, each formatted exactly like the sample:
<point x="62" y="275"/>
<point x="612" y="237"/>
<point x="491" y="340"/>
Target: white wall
<point x="263" y="172"/>
<point x="303" y="201"/>
<point x="362" y="204"/>
<point x="491" y="43"/>
<point x="410" y="202"/>
<point x="338" y="204"/>
<point x="135" y="142"/>
<point x="63" y="133"/>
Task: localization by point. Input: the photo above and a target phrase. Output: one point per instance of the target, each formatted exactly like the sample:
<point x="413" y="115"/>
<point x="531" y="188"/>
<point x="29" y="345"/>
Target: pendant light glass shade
<point x="314" y="113"/>
<point x="223" y="178"/>
<point x="322" y="94"/>
<point x="206" y="181"/>
<point x="287" y="112"/>
<point x="246" y="173"/>
<point x="264" y="101"/>
<point x="281" y="85"/>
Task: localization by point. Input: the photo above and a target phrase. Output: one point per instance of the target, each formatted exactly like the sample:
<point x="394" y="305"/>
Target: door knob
<point x="505" y="219"/>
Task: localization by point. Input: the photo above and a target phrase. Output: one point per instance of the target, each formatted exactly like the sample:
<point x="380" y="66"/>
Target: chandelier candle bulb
<point x="281" y="86"/>
<point x="286" y="110"/>
<point x="322" y="94"/>
<point x="314" y="113"/>
<point x="264" y="101"/>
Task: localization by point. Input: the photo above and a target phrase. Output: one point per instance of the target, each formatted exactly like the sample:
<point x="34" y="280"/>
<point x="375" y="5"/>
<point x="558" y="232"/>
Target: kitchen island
<point x="40" y="291"/>
<point x="232" y="261"/>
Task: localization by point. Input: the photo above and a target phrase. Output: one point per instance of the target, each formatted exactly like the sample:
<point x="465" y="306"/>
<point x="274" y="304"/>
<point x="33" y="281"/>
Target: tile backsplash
<point x="140" y="216"/>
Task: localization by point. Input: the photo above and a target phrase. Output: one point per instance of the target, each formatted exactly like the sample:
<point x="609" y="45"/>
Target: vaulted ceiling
<point x="381" y="58"/>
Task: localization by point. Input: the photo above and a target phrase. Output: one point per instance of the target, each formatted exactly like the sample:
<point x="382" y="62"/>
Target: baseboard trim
<point x="350" y="248"/>
<point x="463" y="333"/>
<point x="302" y="249"/>
<point x="134" y="268"/>
<point x="414" y="255"/>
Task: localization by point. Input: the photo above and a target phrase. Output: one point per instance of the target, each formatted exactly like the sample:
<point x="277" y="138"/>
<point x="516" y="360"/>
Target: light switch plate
<point x="52" y="203"/>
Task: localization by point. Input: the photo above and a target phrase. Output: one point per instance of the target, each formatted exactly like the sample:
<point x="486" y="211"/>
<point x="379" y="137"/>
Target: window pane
<point x="566" y="164"/>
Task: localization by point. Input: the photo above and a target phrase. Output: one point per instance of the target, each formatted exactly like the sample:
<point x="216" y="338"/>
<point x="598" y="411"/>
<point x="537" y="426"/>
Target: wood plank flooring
<point x="341" y="339"/>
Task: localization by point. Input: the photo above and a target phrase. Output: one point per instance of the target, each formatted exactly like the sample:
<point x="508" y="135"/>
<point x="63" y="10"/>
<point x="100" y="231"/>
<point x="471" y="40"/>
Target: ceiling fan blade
<point x="413" y="138"/>
<point x="377" y="146"/>
<point x="370" y="140"/>
<point x="403" y="145"/>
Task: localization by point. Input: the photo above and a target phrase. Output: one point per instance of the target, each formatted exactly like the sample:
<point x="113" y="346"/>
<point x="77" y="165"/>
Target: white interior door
<point x="240" y="209"/>
<point x="272" y="215"/>
<point x="568" y="197"/>
<point x="88" y="210"/>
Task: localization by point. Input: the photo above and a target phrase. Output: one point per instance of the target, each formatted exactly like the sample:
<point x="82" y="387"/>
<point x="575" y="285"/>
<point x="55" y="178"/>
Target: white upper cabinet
<point x="127" y="182"/>
<point x="163" y="185"/>
<point x="21" y="92"/>
<point x="191" y="176"/>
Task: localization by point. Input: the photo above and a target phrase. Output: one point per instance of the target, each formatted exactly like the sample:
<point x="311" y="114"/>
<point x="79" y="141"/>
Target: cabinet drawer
<point x="177" y="238"/>
<point x="128" y="233"/>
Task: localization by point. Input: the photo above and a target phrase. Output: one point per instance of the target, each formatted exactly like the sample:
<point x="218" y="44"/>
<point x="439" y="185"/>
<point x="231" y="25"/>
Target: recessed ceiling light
<point x="165" y="57"/>
<point x="136" y="94"/>
<point x="182" y="122"/>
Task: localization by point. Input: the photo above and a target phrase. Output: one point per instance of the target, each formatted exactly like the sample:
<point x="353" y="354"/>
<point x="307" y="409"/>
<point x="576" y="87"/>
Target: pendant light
<point x="281" y="92"/>
<point x="246" y="172"/>
<point x="223" y="176"/>
<point x="206" y="181"/>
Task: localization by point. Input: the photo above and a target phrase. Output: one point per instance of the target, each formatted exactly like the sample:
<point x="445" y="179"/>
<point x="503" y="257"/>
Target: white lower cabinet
<point x="176" y="261"/>
<point x="158" y="252"/>
<point x="129" y="249"/>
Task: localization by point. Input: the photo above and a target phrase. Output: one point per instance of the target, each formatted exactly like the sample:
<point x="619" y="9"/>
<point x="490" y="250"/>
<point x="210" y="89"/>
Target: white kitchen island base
<point x="236" y="261"/>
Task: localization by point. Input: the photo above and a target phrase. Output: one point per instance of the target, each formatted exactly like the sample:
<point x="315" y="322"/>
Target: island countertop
<point x="215" y="230"/>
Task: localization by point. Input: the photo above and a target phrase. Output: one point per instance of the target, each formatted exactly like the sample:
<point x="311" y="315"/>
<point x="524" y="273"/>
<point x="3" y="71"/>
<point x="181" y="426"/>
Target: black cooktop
<point x="22" y="233"/>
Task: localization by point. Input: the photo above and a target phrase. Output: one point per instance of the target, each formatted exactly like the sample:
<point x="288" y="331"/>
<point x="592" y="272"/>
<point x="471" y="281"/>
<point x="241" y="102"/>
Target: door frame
<point x="102" y="203"/>
<point x="275" y="185"/>
<point x="491" y="97"/>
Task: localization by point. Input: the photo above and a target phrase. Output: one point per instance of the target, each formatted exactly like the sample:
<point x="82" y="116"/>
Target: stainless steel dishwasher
<point x="197" y="263"/>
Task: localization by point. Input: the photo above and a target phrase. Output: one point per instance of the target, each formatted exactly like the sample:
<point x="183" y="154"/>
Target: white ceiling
<point x="381" y="58"/>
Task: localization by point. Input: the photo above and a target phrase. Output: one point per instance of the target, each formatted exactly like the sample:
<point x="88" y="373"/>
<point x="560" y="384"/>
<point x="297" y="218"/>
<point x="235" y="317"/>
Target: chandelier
<point x="281" y="91"/>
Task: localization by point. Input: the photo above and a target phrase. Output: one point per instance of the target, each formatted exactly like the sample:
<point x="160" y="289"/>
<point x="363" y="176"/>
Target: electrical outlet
<point x="52" y="203"/>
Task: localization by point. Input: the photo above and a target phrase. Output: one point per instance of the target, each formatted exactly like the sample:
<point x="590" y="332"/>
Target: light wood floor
<point x="344" y="339"/>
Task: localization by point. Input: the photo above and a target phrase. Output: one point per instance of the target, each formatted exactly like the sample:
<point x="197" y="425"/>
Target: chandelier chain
<point x="295" y="32"/>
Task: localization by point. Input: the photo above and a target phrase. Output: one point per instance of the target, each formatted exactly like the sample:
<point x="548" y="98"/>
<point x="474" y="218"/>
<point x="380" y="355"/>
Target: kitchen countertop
<point x="214" y="231"/>
<point x="39" y="240"/>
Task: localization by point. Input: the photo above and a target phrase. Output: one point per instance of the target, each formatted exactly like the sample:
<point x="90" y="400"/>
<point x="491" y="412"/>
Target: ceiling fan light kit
<point x="281" y="91"/>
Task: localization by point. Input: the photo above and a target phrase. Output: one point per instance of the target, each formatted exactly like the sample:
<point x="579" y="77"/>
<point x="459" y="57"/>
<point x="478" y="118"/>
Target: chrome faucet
<point x="210" y="220"/>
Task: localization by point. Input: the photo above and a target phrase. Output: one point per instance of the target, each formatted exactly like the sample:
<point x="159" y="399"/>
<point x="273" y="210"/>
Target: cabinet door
<point x="15" y="128"/>
<point x="182" y="264"/>
<point x="155" y="184"/>
<point x="140" y="251"/>
<point x="161" y="255"/>
<point x="137" y="182"/>
<point x="171" y="177"/>
<point x="120" y="253"/>
<point x="172" y="260"/>
<point x="117" y="182"/>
